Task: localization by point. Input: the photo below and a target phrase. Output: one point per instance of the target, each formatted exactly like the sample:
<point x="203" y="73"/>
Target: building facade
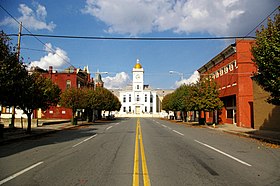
<point x="138" y="99"/>
<point x="68" y="78"/>
<point x="232" y="70"/>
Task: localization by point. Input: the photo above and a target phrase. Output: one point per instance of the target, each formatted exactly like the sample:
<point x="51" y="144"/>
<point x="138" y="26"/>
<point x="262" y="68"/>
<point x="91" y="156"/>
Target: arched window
<point x="68" y="84"/>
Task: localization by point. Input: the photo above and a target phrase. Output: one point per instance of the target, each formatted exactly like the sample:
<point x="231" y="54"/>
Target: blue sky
<point x="131" y="18"/>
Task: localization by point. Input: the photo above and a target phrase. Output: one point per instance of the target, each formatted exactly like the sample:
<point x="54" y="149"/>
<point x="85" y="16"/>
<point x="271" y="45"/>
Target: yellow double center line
<point x="136" y="173"/>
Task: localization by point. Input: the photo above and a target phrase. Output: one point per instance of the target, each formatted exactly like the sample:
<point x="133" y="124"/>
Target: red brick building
<point x="69" y="78"/>
<point x="232" y="70"/>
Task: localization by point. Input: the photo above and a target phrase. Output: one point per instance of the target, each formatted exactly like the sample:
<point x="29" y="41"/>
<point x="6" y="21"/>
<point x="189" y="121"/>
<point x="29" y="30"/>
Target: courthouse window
<point x="124" y="99"/>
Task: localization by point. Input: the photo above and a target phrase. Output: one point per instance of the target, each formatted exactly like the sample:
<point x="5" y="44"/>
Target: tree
<point x="266" y="53"/>
<point x="166" y="102"/>
<point x="38" y="92"/>
<point x="205" y="96"/>
<point x="74" y="98"/>
<point x="103" y="99"/>
<point x="181" y="98"/>
<point x="12" y="74"/>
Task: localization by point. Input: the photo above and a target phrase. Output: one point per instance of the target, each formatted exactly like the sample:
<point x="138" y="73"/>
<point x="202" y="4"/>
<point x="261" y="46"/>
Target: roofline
<point x="230" y="50"/>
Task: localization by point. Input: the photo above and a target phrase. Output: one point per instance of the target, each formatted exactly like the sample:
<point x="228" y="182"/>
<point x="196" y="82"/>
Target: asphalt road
<point x="143" y="151"/>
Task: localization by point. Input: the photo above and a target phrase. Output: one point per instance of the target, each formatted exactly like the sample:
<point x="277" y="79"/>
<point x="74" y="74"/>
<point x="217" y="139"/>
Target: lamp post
<point x="97" y="72"/>
<point x="179" y="73"/>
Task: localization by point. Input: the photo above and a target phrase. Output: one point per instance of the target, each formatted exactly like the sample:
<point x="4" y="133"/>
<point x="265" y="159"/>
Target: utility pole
<point x="19" y="38"/>
<point x="18" y="56"/>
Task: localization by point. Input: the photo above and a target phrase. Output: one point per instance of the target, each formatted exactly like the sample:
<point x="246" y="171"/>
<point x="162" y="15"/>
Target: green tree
<point x="205" y="96"/>
<point x="74" y="98"/>
<point x="103" y="99"/>
<point x="181" y="99"/>
<point x="166" y="103"/>
<point x="38" y="92"/>
<point x="266" y="53"/>
<point x="12" y="74"/>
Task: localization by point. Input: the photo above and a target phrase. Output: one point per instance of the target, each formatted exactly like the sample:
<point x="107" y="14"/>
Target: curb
<point x="261" y="138"/>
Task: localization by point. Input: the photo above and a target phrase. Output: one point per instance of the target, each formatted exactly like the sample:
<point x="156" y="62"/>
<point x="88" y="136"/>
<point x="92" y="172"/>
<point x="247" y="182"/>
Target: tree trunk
<point x="28" y="131"/>
<point x="13" y="118"/>
<point x="93" y="115"/>
<point x="73" y="116"/>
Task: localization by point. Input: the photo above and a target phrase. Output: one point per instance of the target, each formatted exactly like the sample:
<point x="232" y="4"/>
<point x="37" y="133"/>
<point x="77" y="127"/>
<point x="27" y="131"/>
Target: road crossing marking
<point x="136" y="173"/>
<point x="84" y="140"/>
<point x="221" y="152"/>
<point x="19" y="173"/>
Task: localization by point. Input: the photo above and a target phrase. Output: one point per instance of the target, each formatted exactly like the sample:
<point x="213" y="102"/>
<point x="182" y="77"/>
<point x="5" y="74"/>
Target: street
<point x="139" y="151"/>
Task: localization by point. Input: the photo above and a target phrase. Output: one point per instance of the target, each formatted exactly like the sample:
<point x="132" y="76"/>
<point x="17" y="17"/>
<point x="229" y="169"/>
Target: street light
<point x="179" y="73"/>
<point x="97" y="72"/>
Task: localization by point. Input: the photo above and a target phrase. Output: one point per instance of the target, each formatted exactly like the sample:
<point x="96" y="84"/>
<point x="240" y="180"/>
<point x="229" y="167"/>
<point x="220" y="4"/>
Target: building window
<point x="230" y="113"/>
<point x="129" y="109"/>
<point x="146" y="99"/>
<point x="137" y="87"/>
<point x="124" y="109"/>
<point x="68" y="84"/>
<point x="217" y="74"/>
<point x="129" y="98"/>
<point x="226" y="70"/>
<point x="124" y="99"/>
<point x="7" y="110"/>
<point x="231" y="67"/>
<point x="221" y="72"/>
<point x="79" y="84"/>
<point x="137" y="98"/>
<point x="146" y="109"/>
<point x="151" y="98"/>
<point x="151" y="109"/>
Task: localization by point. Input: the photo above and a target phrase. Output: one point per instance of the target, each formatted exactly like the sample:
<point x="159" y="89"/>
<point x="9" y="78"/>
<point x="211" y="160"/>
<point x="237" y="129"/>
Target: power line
<point x="262" y="21"/>
<point x="30" y="34"/>
<point x="135" y="38"/>
<point x="147" y="38"/>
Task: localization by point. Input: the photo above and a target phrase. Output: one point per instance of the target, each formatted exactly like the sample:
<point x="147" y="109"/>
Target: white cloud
<point x="55" y="57"/>
<point x="192" y="79"/>
<point x="119" y="81"/>
<point x="219" y="17"/>
<point x="31" y="19"/>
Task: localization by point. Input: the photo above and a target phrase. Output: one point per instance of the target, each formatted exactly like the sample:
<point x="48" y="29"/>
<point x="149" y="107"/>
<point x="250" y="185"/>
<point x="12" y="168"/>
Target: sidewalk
<point x="17" y="134"/>
<point x="263" y="135"/>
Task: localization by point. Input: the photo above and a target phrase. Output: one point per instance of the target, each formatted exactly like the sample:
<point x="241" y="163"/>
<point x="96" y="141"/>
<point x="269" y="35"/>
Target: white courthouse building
<point x="139" y="99"/>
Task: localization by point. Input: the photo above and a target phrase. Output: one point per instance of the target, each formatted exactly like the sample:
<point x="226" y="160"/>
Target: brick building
<point x="69" y="78"/>
<point x="232" y="70"/>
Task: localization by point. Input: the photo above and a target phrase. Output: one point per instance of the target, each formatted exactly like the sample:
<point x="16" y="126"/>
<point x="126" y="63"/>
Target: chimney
<point x="50" y="69"/>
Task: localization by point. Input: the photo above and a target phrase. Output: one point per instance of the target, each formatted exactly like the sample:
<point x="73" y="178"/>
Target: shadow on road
<point x="48" y="137"/>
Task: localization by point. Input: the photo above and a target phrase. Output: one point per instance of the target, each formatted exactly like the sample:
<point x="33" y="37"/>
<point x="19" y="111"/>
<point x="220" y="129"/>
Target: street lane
<point x="221" y="169"/>
<point x="104" y="154"/>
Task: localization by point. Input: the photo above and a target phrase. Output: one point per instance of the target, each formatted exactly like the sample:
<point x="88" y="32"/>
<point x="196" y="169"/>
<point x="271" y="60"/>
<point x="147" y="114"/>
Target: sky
<point x="131" y="19"/>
